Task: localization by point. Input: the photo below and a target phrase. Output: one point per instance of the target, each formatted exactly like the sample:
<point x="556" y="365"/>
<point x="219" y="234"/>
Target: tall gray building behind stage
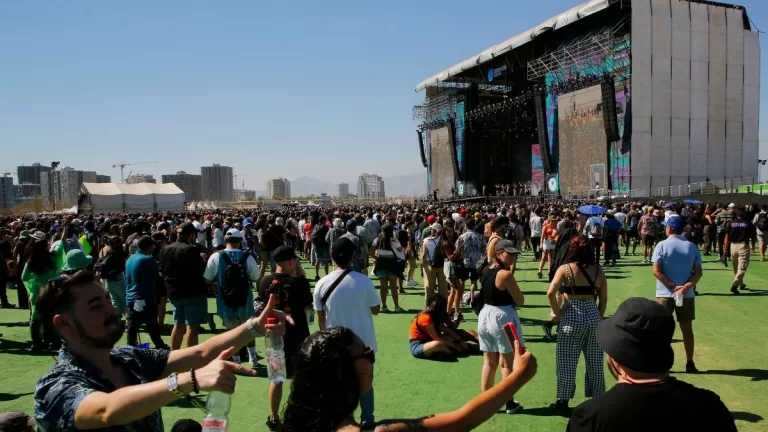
<point x="278" y="188"/>
<point x="29" y="176"/>
<point x="7" y="192"/>
<point x="191" y="184"/>
<point x="216" y="183"/>
<point x="344" y="190"/>
<point x="370" y="186"/>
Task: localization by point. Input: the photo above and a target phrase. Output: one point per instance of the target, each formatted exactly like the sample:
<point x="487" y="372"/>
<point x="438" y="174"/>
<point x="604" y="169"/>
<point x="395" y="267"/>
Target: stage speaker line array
<point x="541" y="125"/>
<point x="609" y="111"/>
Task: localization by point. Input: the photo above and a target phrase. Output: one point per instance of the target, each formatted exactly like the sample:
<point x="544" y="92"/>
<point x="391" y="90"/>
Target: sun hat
<point x="639" y="336"/>
<point x="76" y="260"/>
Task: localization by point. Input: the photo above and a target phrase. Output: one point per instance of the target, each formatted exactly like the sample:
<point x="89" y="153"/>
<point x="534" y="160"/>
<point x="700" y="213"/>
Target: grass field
<point x="731" y="341"/>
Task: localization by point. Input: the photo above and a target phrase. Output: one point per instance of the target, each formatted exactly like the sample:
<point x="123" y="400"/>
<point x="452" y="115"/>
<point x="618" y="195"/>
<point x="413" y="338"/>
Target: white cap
<point x="437" y="227"/>
<point x="731" y="205"/>
<point x="234" y="233"/>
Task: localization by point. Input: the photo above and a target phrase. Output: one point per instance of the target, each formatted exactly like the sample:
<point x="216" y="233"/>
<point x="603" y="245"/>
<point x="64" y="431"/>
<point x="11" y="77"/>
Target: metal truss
<point x="593" y="48"/>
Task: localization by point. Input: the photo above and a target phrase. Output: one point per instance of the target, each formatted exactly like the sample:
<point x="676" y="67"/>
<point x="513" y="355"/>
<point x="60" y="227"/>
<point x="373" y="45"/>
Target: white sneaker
<point x="411" y="283"/>
<point x="385" y="309"/>
<point x="399" y="309"/>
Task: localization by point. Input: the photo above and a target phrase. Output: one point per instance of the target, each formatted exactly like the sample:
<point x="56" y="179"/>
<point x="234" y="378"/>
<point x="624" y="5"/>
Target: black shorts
<point x="632" y="233"/>
<point x="464" y="273"/>
<point x="649" y="240"/>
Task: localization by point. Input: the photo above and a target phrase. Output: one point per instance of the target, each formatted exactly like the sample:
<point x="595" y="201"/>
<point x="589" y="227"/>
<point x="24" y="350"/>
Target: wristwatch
<point x="173" y="385"/>
<point x="251" y="328"/>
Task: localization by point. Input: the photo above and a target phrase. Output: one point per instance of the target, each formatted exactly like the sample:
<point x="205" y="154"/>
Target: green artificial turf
<point x="731" y="341"/>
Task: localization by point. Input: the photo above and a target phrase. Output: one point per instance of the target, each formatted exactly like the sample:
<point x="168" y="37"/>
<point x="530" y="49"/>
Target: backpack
<point x="568" y="224"/>
<point x="633" y="222"/>
<point x="596" y="231"/>
<point x="318" y="237"/>
<point x="234" y="282"/>
<point x="762" y="222"/>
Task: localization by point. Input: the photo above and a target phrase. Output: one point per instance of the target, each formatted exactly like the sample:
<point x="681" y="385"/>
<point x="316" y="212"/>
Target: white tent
<point x="130" y="198"/>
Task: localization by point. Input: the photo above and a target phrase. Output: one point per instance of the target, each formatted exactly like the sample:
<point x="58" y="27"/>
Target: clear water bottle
<point x="275" y="356"/>
<point x="311" y="316"/>
<point x="218" y="406"/>
<point x="678" y="296"/>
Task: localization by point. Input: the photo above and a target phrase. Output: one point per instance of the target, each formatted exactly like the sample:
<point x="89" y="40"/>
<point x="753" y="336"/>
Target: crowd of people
<point x="88" y="279"/>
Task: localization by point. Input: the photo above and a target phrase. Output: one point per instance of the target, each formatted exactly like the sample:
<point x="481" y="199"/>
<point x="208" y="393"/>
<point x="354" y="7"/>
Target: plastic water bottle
<point x="218" y="406"/>
<point x="275" y="356"/>
<point x="311" y="316"/>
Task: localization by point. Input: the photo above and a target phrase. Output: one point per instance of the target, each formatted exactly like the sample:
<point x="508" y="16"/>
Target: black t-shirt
<point x="739" y="230"/>
<point x="669" y="406"/>
<point x="295" y="297"/>
<point x="272" y="237"/>
<point x="182" y="268"/>
<point x="5" y="254"/>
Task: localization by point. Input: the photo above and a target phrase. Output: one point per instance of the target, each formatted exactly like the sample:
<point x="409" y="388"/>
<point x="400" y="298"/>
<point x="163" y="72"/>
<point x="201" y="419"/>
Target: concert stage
<point x="614" y="95"/>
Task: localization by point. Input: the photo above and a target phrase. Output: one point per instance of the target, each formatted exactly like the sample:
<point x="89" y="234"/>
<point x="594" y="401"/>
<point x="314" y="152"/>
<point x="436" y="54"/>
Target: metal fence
<point x="731" y="185"/>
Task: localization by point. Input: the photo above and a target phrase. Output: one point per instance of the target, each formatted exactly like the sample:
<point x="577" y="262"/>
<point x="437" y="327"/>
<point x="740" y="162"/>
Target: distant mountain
<point x="409" y="184"/>
<point x="305" y="186"/>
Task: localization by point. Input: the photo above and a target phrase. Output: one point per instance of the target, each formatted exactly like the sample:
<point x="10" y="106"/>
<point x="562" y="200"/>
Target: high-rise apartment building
<point x="103" y="178"/>
<point x="67" y="184"/>
<point x="278" y="188"/>
<point x="29" y="176"/>
<point x="48" y="194"/>
<point x="140" y="178"/>
<point x="7" y="192"/>
<point x="343" y="190"/>
<point x="216" y="183"/>
<point x="191" y="184"/>
<point x="370" y="186"/>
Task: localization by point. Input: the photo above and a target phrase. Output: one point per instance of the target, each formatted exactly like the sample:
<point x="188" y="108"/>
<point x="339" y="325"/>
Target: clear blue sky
<point x="323" y="89"/>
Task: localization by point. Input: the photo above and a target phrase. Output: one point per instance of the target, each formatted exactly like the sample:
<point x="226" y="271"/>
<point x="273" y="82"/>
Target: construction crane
<point x="235" y="176"/>
<point x="123" y="165"/>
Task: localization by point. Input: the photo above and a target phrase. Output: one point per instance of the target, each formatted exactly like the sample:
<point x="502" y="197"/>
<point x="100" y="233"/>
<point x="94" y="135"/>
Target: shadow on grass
<point x="8" y="346"/>
<point x="742" y="294"/>
<point x="6" y="397"/>
<point x="534" y="293"/>
<point x="609" y="276"/>
<point x="544" y="412"/>
<point x="533" y="306"/>
<point x="15" y="324"/>
<point x="746" y="416"/>
<point x="402" y="312"/>
<point x="533" y="321"/>
<point x="754" y="374"/>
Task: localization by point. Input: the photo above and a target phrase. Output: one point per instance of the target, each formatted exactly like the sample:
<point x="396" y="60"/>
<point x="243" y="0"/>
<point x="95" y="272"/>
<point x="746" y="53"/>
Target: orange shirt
<point x="423" y="319"/>
<point x="308" y="232"/>
<point x="549" y="230"/>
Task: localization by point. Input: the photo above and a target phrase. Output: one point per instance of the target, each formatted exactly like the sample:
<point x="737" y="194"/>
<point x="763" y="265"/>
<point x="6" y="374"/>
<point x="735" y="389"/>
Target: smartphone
<point x="511" y="332"/>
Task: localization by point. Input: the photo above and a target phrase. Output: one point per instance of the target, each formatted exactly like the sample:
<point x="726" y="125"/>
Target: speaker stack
<point x="609" y="111"/>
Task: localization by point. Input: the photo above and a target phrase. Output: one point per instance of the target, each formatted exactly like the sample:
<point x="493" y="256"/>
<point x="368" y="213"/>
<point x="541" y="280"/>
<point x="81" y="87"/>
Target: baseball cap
<point x="12" y="421"/>
<point x="507" y="246"/>
<point x="233" y="234"/>
<point x="436" y="227"/>
<point x="431" y="219"/>
<point x="186" y="228"/>
<point x="284" y="253"/>
<point x="676" y="223"/>
<point x="342" y="250"/>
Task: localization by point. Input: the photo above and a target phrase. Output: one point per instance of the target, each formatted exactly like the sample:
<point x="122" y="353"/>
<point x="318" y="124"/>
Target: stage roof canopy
<point x="140" y="197"/>
<point x="570" y="16"/>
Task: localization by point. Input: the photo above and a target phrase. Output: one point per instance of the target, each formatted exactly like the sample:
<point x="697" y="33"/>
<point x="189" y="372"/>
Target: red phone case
<point x="511" y="332"/>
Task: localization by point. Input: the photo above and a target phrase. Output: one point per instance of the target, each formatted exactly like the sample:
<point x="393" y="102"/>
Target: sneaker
<point x="690" y="367"/>
<point x="367" y="425"/>
<point x="411" y="283"/>
<point x="402" y="291"/>
<point x="735" y="290"/>
<point x="317" y="278"/>
<point x="561" y="406"/>
<point x="725" y="262"/>
<point x="547" y="327"/>
<point x="273" y="424"/>
<point x="540" y="275"/>
<point x="399" y="309"/>
<point x="8" y="306"/>
<point x="513" y="407"/>
<point x="385" y="309"/>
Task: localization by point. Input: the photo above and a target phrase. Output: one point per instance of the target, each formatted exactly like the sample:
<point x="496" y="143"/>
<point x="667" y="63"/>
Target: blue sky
<point x="323" y="89"/>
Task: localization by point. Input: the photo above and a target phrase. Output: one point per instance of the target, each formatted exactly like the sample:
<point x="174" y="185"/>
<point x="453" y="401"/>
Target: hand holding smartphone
<point x="511" y="332"/>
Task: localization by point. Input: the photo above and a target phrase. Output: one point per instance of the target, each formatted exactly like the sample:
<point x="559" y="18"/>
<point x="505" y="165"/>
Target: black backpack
<point x="318" y="237"/>
<point x="762" y="222"/>
<point x="512" y="235"/>
<point x="234" y="282"/>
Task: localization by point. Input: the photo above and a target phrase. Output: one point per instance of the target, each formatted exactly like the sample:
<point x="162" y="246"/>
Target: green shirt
<point x="34" y="282"/>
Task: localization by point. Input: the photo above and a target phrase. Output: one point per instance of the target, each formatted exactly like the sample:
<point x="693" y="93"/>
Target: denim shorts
<point x="385" y="274"/>
<point x="417" y="349"/>
<point x="190" y="311"/>
<point x="321" y="255"/>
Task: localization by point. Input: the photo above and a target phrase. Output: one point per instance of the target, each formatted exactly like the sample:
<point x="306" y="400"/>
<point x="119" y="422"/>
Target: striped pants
<point x="576" y="333"/>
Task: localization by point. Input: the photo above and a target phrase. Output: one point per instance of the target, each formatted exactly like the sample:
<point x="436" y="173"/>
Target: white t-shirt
<point x="621" y="217"/>
<point x="213" y="267"/>
<point x="592" y="221"/>
<point x="301" y="229"/>
<point x="350" y="304"/>
<point x="218" y="238"/>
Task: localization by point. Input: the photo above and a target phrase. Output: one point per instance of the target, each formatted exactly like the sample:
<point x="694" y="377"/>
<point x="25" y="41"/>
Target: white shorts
<point x="549" y="244"/>
<point x="490" y="325"/>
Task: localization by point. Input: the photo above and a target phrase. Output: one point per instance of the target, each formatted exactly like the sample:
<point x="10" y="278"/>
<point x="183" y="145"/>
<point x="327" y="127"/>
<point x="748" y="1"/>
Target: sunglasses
<point x="368" y="354"/>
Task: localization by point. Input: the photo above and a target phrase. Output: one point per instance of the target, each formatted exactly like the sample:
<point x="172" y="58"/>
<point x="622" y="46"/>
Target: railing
<point x="731" y="185"/>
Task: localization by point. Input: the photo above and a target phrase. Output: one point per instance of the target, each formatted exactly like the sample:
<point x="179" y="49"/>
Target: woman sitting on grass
<point x="334" y="368"/>
<point x="432" y="337"/>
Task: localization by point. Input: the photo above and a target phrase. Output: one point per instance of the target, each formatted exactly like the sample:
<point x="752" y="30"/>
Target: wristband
<point x="251" y="328"/>
<point x="195" y="387"/>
